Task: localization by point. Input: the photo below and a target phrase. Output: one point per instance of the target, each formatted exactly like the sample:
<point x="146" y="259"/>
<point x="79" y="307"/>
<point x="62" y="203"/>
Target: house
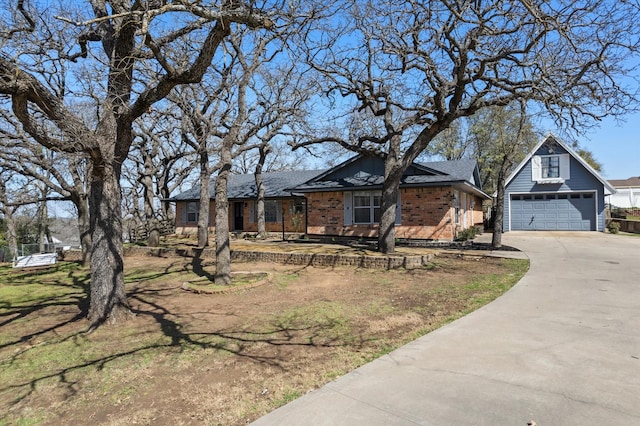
<point x="282" y="208"/>
<point x="627" y="194"/>
<point x="436" y="200"/>
<point x="554" y="189"/>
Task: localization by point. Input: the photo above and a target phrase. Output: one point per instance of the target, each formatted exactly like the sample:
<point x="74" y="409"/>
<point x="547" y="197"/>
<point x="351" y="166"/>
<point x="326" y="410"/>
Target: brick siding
<point x="427" y="213"/>
<point x="294" y="222"/>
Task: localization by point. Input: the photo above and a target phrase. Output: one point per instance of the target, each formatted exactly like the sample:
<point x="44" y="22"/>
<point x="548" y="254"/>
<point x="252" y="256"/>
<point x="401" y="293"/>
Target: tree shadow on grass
<point x="76" y="295"/>
<point x="198" y="268"/>
<point x="248" y="342"/>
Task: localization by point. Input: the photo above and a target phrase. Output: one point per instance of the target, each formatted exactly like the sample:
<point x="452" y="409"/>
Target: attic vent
<point x="362" y="174"/>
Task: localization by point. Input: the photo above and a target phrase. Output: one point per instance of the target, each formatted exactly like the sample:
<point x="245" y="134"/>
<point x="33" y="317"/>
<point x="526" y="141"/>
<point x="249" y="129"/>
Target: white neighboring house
<point x="627" y="193"/>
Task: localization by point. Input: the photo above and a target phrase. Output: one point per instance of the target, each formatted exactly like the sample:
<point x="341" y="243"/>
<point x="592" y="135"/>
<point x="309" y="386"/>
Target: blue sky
<point x="616" y="146"/>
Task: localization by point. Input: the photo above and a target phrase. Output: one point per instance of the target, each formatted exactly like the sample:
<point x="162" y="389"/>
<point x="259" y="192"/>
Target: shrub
<point x="468" y="234"/>
<point x="614" y="227"/>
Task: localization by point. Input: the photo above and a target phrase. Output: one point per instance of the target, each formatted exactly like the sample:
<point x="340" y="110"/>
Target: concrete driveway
<point x="561" y="348"/>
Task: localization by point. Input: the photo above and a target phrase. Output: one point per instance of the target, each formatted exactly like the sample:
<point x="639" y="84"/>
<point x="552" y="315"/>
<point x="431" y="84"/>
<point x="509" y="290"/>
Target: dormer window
<point x="549" y="169"/>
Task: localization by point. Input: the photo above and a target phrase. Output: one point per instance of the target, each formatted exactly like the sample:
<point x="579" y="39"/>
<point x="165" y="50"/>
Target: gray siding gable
<point x="581" y="180"/>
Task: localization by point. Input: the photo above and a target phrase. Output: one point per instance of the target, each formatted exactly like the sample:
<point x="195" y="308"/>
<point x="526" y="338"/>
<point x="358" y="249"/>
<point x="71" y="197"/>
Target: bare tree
<point x="279" y="158"/>
<point x="159" y="162"/>
<point x="127" y="34"/>
<point x="501" y="136"/>
<point x="243" y="107"/>
<point x="200" y="110"/>
<point x="411" y="69"/>
<point x="62" y="173"/>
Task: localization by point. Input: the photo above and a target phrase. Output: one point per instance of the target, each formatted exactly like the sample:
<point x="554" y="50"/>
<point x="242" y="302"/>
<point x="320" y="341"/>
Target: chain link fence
<point x="5" y="254"/>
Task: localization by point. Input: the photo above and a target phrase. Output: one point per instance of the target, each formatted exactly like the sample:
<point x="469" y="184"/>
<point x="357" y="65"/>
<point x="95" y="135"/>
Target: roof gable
<point x="368" y="172"/>
<point x="552" y="144"/>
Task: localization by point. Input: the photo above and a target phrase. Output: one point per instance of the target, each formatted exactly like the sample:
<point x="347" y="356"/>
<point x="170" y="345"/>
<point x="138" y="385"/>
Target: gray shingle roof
<point x="351" y="176"/>
<point x="244" y="186"/>
<point x="423" y="174"/>
<point x="624" y="183"/>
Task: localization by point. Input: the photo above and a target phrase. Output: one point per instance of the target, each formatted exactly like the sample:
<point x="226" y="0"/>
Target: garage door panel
<point x="551" y="214"/>
<point x="576" y="226"/>
<point x="573" y="212"/>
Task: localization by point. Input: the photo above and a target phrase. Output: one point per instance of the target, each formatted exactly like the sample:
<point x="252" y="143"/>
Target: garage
<point x="553" y="212"/>
<point x="554" y="189"/>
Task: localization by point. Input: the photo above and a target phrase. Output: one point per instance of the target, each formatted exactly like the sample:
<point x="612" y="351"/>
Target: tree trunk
<point x="7" y="211"/>
<point x="153" y="237"/>
<point x="393" y="174"/>
<point x="84" y="227"/>
<point x="12" y="236"/>
<point x="262" y="228"/>
<point x="43" y="214"/>
<point x="387" y="235"/>
<point x="496" y="239"/>
<point x="505" y="166"/>
<point x="167" y="211"/>
<point x="108" y="301"/>
<point x="205" y="195"/>
<point x="223" y="249"/>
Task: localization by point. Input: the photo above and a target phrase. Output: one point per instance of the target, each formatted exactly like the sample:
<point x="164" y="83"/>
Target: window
<point x="551" y="167"/>
<point x="298" y="206"/>
<point x="271" y="211"/>
<point x="366" y="206"/>
<point x="193" y="211"/>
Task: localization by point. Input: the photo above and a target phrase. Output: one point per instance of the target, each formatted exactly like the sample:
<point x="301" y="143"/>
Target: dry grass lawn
<point x="221" y="357"/>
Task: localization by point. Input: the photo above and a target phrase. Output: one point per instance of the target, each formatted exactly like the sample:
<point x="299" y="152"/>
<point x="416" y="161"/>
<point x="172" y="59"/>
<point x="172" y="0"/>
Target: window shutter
<point x="252" y="211"/>
<point x="536" y="168"/>
<point x="279" y="211"/>
<point x="399" y="209"/>
<point x="565" y="166"/>
<point x="348" y="215"/>
<point x="185" y="207"/>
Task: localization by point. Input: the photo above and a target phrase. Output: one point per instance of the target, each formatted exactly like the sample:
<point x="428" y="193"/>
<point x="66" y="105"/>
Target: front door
<point x="238" y="216"/>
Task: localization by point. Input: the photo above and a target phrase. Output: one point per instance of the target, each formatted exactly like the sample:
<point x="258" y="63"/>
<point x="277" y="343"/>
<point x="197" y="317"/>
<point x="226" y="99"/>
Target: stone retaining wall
<point x="322" y="259"/>
<point x="290" y="258"/>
